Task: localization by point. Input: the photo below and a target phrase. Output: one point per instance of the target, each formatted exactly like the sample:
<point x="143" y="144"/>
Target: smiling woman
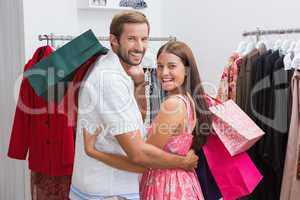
<point x="171" y="72"/>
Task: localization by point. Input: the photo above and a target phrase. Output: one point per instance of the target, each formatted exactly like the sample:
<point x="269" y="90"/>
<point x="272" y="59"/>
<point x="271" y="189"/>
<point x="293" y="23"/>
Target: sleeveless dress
<point x="173" y="184"/>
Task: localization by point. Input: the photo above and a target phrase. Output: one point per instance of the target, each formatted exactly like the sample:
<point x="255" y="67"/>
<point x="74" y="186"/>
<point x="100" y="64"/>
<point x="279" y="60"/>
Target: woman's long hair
<point x="193" y="85"/>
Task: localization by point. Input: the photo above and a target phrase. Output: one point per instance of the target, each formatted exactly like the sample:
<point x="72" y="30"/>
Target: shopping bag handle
<point x="213" y="100"/>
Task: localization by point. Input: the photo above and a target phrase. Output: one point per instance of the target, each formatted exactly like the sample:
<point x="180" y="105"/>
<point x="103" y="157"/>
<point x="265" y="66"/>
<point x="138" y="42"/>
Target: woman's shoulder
<point x="174" y="102"/>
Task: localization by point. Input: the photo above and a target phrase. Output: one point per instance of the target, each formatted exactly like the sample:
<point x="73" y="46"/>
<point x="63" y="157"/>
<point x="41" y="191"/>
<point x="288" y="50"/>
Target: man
<point x="107" y="100"/>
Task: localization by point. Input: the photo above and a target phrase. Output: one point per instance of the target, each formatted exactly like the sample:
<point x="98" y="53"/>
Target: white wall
<point x="44" y="17"/>
<point x="213" y="28"/>
<point x="63" y="17"/>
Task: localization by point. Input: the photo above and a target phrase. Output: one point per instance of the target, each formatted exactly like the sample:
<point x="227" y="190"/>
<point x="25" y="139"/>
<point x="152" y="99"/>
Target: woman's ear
<point x="186" y="71"/>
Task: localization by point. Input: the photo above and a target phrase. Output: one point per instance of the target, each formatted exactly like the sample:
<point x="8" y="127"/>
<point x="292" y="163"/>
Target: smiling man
<point x="107" y="100"/>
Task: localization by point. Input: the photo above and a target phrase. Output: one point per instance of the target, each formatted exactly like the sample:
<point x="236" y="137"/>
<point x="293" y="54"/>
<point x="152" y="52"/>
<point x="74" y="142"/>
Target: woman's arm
<point x="169" y="122"/>
<point x="117" y="161"/>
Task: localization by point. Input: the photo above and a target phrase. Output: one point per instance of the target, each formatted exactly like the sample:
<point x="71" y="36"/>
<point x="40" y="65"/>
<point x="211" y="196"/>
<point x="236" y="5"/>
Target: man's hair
<point x="127" y="17"/>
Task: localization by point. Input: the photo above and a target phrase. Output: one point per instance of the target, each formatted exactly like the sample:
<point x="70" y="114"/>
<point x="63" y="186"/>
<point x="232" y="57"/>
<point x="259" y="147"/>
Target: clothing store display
<point x="263" y="92"/>
<point x="270" y="101"/>
<point x="52" y="152"/>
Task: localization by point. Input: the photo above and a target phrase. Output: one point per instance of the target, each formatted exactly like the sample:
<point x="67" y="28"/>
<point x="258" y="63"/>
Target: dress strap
<point x="188" y="118"/>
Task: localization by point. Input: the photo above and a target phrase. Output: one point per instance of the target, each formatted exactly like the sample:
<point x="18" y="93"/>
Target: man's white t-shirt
<point x="106" y="100"/>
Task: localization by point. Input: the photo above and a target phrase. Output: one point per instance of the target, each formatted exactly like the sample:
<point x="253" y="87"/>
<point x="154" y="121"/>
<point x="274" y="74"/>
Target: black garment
<point x="208" y="185"/>
<point x="272" y="113"/>
<point x="282" y="104"/>
<point x="255" y="94"/>
<point x="259" y="88"/>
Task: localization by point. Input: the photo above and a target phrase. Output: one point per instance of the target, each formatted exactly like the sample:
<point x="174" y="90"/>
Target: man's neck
<point x="125" y="66"/>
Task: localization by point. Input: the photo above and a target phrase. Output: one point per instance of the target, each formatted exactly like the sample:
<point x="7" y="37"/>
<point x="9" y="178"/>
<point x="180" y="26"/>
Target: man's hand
<point x="137" y="74"/>
<point x="90" y="140"/>
<point x="191" y="160"/>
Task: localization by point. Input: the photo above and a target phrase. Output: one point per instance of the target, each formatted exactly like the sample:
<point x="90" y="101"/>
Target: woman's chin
<point x="168" y="89"/>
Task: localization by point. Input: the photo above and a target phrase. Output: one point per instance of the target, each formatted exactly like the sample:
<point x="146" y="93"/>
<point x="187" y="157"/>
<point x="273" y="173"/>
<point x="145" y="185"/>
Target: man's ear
<point x="113" y="40"/>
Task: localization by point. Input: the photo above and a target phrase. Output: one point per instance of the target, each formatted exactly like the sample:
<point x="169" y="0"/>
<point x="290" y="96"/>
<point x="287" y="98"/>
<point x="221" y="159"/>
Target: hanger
<point x="267" y="44"/>
<point x="297" y="47"/>
<point x="296" y="59"/>
<point x="250" y="46"/>
<point x="277" y="44"/>
<point x="47" y="38"/>
<point x="261" y="45"/>
<point x="285" y="46"/>
<point x="288" y="58"/>
<point x="241" y="47"/>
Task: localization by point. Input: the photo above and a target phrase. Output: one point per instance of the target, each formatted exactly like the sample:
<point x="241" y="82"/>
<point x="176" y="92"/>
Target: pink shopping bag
<point x="236" y="176"/>
<point x="234" y="128"/>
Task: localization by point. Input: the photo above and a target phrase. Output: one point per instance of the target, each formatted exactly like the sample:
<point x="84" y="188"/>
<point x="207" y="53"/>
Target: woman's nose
<point x="165" y="71"/>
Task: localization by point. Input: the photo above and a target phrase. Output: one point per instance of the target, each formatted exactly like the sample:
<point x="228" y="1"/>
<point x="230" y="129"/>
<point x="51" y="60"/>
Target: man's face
<point x="133" y="43"/>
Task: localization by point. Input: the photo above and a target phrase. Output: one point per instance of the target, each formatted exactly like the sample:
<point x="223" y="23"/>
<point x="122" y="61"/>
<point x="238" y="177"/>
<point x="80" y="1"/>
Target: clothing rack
<point x="260" y="32"/>
<point x="52" y="38"/>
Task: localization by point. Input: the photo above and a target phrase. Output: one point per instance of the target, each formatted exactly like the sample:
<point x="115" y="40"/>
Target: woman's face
<point x="170" y="72"/>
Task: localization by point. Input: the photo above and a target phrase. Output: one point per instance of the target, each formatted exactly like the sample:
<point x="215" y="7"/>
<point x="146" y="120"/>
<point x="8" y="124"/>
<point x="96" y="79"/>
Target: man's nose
<point x="139" y="45"/>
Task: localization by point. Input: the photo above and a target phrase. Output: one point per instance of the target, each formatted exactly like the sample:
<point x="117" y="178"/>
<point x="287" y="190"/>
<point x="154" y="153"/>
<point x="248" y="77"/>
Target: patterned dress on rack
<point x="227" y="87"/>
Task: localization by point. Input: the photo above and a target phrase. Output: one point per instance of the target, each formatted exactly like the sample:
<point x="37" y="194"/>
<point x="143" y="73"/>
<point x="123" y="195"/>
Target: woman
<point x="174" y="128"/>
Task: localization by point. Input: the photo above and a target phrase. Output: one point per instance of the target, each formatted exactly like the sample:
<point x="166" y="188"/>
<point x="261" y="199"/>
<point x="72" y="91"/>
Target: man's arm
<point x="150" y="156"/>
<point x="117" y="161"/>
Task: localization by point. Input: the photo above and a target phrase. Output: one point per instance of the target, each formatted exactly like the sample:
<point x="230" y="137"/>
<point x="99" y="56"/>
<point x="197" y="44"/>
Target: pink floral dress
<point x="173" y="184"/>
<point x="227" y="86"/>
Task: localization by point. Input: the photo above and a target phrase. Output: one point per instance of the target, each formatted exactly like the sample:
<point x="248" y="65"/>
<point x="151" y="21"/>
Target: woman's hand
<point x="90" y="140"/>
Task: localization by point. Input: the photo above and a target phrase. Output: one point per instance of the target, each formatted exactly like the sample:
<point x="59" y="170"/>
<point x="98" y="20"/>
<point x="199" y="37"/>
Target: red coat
<point x="48" y="136"/>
